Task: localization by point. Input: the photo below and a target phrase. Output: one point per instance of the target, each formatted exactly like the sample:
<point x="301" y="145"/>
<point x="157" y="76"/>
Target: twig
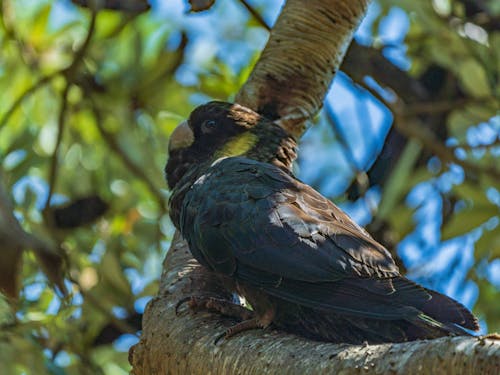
<point x="373" y="92"/>
<point x="129" y="6"/>
<point x="362" y="108"/>
<point x="444" y="153"/>
<point x="80" y="53"/>
<point x="25" y="53"/>
<point x="437" y="107"/>
<point x="132" y="167"/>
<point x="414" y="129"/>
<point x="121" y="324"/>
<point x="332" y="118"/>
<point x="468" y="147"/>
<point x="256" y="15"/>
<point x="67" y="72"/>
<point x="55" y="154"/>
<point x="129" y="163"/>
<point x="24" y="95"/>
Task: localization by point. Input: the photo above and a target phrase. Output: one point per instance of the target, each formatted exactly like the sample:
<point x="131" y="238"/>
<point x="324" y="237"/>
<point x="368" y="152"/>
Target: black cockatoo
<point x="301" y="262"/>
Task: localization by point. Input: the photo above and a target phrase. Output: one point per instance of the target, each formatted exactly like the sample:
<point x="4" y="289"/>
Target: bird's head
<point x="218" y="129"/>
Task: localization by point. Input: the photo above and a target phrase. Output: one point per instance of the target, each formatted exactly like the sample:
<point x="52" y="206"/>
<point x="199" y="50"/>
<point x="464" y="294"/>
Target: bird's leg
<point x="237" y="328"/>
<point x="262" y="321"/>
<point x="219" y="305"/>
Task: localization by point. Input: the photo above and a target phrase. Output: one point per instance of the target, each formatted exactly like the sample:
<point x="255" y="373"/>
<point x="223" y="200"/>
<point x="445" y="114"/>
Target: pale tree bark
<point x="304" y="51"/>
<point x="288" y="84"/>
<point x="185" y="343"/>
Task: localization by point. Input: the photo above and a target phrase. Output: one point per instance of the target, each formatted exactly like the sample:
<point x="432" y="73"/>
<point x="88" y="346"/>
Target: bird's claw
<point x="220" y="337"/>
<point x="245" y="325"/>
<point x="219" y="305"/>
<point x="182" y="302"/>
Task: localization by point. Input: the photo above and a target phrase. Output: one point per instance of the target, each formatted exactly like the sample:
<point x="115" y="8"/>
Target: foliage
<point x="90" y="98"/>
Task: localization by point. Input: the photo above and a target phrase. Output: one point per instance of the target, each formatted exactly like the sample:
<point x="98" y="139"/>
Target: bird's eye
<point x="208" y="126"/>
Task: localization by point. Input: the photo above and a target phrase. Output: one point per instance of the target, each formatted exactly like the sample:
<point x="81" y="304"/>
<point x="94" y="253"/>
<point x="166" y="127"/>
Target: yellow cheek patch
<point x="238" y="145"/>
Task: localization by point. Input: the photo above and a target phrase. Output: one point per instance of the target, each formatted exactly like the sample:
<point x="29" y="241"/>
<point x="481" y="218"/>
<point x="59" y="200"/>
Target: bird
<point x="303" y="265"/>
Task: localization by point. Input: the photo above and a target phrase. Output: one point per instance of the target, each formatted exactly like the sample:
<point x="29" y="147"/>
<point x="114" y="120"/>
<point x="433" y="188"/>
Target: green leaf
<point x="469" y="192"/>
<point x="461" y="119"/>
<point x="6" y="312"/>
<point x="38" y="31"/>
<point x="397" y="185"/>
<point x="488" y="306"/>
<point x="474" y="79"/>
<point x="112" y="271"/>
<point x="468" y="219"/>
<point x="488" y="245"/>
<point x="401" y="220"/>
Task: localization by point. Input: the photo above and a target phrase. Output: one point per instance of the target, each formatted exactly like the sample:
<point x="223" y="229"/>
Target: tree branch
<point x="131" y="166"/>
<point x="256" y="15"/>
<point x="68" y="72"/>
<point x="13" y="241"/>
<point x="301" y="57"/>
<point x="40" y="83"/>
<point x="184" y="344"/>
<point x="411" y="127"/>
<point x="126" y="160"/>
<point x="55" y="154"/>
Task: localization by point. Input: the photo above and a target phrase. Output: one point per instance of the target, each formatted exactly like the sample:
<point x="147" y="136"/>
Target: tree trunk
<point x="303" y="53"/>
<point x="288" y="84"/>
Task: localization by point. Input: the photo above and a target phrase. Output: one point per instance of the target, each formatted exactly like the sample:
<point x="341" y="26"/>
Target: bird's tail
<point x="446" y="310"/>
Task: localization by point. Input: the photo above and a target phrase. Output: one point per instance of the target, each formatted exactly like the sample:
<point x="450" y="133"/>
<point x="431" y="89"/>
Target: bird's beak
<point x="181" y="137"/>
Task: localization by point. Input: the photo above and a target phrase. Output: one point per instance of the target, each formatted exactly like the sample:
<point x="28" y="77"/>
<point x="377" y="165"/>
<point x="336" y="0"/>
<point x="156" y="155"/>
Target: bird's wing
<point x="255" y="222"/>
<point x="256" y="214"/>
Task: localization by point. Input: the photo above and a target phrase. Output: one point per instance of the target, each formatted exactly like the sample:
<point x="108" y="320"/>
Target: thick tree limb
<point x="184" y="344"/>
<point x="303" y="54"/>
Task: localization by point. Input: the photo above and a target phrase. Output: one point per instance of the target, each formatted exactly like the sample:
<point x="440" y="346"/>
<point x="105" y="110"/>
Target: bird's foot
<point x="261" y="321"/>
<point x="248" y="318"/>
<point x="238" y="328"/>
<point x="222" y="306"/>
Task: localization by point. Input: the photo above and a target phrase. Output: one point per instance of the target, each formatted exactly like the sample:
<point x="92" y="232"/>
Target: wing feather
<point x="260" y="225"/>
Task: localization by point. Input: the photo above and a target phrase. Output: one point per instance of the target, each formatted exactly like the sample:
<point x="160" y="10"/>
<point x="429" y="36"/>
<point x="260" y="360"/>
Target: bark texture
<point x="184" y="343"/>
<point x="288" y="84"/>
<point x="304" y="51"/>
